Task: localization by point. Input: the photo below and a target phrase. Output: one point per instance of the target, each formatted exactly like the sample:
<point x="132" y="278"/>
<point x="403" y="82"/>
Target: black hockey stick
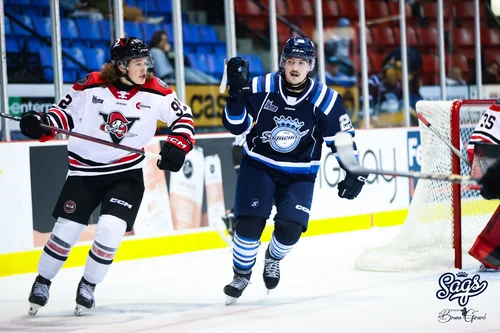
<point x="90" y="138"/>
<point x="344" y="144"/>
<point x="453" y="149"/>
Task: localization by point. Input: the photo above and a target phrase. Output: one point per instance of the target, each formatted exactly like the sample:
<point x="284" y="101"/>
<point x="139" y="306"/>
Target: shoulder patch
<point x="88" y="81"/>
<point x="157" y="86"/>
<point x="83" y="80"/>
<point x="497" y="102"/>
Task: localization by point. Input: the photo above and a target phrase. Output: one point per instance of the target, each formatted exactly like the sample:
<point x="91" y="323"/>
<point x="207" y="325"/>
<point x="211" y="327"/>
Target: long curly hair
<point x="110" y="74"/>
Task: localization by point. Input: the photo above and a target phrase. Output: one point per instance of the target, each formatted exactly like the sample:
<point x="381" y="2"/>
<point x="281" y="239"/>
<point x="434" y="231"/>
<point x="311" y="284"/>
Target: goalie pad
<point x="486" y="248"/>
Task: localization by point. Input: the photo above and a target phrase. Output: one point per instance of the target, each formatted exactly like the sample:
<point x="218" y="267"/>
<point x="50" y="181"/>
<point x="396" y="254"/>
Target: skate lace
<point x="239" y="282"/>
<point x="41" y="289"/>
<point x="86" y="291"/>
<point x="272" y="268"/>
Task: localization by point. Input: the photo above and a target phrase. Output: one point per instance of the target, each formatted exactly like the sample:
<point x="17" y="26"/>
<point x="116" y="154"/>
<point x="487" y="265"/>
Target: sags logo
<point x="286" y="136"/>
<point x="462" y="290"/>
<point x="117" y="125"/>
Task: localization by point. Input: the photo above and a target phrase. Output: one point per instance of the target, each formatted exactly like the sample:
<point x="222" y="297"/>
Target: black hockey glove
<point x="491" y="182"/>
<point x="350" y="187"/>
<point x="173" y="153"/>
<point x="237" y="78"/>
<point x="30" y="125"/>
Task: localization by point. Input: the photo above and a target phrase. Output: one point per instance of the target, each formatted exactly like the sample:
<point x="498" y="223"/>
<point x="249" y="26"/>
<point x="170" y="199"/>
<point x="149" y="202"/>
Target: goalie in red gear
<point x="483" y="147"/>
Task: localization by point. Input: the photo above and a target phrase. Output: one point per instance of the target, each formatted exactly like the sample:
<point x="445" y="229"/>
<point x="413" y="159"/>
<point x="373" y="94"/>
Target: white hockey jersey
<point x="487" y="130"/>
<point x="123" y="117"/>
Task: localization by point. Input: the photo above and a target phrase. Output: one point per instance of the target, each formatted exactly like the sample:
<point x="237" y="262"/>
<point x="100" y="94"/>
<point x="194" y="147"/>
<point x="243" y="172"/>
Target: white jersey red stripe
<point x="127" y="117"/>
<point x="487" y="130"/>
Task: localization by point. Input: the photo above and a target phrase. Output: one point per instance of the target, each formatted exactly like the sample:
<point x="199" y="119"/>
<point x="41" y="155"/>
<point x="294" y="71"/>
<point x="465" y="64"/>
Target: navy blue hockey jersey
<point x="286" y="133"/>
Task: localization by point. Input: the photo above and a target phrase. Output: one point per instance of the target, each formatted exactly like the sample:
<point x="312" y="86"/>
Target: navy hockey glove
<point x="173" y="153"/>
<point x="30" y="125"/>
<point x="491" y="182"/>
<point x="350" y="187"/>
<point x="237" y="78"/>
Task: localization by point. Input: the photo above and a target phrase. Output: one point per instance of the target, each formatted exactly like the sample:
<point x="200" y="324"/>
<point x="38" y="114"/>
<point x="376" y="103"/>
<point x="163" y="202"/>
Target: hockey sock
<point x="286" y="234"/>
<point x="246" y="243"/>
<point x="64" y="235"/>
<point x="108" y="236"/>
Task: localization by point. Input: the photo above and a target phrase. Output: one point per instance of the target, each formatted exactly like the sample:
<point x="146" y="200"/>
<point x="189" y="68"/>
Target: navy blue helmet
<point x="299" y="47"/>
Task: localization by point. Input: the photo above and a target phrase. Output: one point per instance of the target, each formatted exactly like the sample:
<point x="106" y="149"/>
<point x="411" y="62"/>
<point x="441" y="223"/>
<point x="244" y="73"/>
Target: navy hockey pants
<point x="256" y="190"/>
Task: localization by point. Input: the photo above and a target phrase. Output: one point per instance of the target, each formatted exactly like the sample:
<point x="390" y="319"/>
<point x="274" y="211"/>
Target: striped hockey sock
<point x="244" y="254"/>
<point x="277" y="250"/>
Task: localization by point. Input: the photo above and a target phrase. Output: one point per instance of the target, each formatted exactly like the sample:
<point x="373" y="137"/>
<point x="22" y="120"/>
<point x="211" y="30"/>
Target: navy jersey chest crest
<point x="286" y="135"/>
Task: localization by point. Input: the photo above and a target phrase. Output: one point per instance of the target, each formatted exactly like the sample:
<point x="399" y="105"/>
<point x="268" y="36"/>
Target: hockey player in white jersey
<point x="122" y="104"/>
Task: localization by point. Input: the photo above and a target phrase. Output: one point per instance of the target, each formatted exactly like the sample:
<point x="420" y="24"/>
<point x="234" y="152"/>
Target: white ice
<point x="320" y="291"/>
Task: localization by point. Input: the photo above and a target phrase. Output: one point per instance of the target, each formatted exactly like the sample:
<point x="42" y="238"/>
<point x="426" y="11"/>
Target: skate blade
<point x="33" y="309"/>
<point x="268" y="291"/>
<point x="231" y="300"/>
<point x="80" y="310"/>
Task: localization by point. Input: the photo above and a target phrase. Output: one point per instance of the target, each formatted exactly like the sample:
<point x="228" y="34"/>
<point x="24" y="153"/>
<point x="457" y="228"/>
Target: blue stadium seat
<point x="149" y="30"/>
<point x="88" y="29"/>
<point x="18" y="30"/>
<point x="69" y="30"/>
<point x="7" y="26"/>
<point x="12" y="45"/>
<point x="133" y="29"/>
<point x="170" y="32"/>
<point x="218" y="60"/>
<point x="204" y="48"/>
<point x="42" y="25"/>
<point x="76" y="53"/>
<point x="207" y="33"/>
<point x="255" y="64"/>
<point x="131" y="3"/>
<point x="20" y="2"/>
<point x="41" y="3"/>
<point x="148" y="6"/>
<point x="46" y="61"/>
<point x="105" y="30"/>
<point x="190" y="33"/>
<point x="220" y="48"/>
<point x="96" y="57"/>
<point x="165" y="7"/>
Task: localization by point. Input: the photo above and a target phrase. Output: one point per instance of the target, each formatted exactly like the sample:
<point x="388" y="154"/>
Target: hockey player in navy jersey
<point x="289" y="116"/>
<point x="122" y="104"/>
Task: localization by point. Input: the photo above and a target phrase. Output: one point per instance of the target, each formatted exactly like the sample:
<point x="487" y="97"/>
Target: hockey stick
<point x="344" y="144"/>
<point x="223" y="82"/>
<point x="90" y="138"/>
<point x="453" y="149"/>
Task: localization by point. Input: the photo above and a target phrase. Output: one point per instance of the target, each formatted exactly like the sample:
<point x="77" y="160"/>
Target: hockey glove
<point x="491" y="182"/>
<point x="237" y="78"/>
<point x="30" y="126"/>
<point x="173" y="153"/>
<point x="350" y="187"/>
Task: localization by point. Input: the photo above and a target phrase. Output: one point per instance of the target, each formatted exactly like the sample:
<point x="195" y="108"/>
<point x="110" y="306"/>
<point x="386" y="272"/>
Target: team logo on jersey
<point x="270" y="106"/>
<point x="286" y="135"/>
<point x="83" y="81"/>
<point x="117" y="125"/>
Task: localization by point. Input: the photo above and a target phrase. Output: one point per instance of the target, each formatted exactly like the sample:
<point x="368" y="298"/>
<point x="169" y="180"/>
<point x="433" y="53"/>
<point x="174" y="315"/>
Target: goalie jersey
<point x="286" y="133"/>
<point x="127" y="117"/>
<point x="487" y="130"/>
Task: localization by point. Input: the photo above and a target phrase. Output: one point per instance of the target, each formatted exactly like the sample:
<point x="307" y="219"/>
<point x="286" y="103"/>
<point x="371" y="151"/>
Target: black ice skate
<point x="39" y="295"/>
<point x="271" y="272"/>
<point x="84" y="297"/>
<point x="236" y="287"/>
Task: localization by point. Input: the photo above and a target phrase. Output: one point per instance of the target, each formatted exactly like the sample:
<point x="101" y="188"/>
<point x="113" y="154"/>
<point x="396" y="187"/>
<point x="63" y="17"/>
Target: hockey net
<point x="444" y="218"/>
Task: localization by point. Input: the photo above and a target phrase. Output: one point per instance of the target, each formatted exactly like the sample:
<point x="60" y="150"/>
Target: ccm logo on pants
<point x="121" y="202"/>
<point x="302" y="208"/>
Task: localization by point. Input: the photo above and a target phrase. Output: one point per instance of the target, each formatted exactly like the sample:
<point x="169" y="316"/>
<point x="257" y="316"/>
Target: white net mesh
<point x="425" y="241"/>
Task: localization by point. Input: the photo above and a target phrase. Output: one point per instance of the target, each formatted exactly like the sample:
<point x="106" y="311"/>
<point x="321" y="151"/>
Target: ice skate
<point x="484" y="269"/>
<point x="39" y="295"/>
<point x="235" y="288"/>
<point x="230" y="223"/>
<point x="271" y="272"/>
<point x="84" y="297"/>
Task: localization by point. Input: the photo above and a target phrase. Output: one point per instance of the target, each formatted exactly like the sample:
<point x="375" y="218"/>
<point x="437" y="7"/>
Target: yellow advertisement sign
<point x="208" y="104"/>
